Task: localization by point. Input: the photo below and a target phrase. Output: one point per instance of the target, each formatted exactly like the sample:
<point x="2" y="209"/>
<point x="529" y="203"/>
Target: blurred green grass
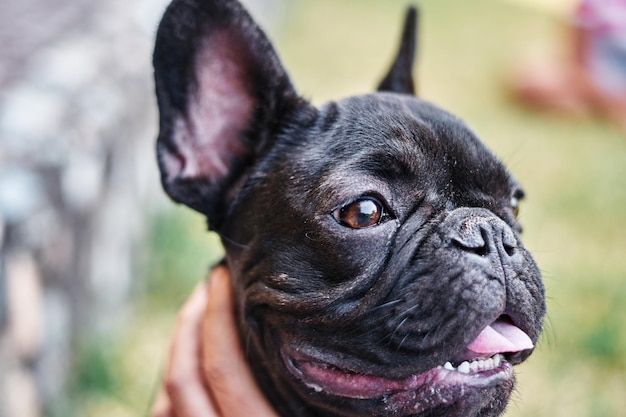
<point x="574" y="173"/>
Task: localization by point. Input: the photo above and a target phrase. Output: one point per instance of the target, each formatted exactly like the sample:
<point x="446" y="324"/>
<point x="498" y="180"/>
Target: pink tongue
<point x="500" y="337"/>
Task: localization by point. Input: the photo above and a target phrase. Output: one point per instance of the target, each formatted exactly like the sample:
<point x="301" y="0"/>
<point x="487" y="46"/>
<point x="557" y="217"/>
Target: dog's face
<point x="373" y="242"/>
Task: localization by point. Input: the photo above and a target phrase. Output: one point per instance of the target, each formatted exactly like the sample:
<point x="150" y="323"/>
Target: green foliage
<point x="94" y="373"/>
<point x="181" y="252"/>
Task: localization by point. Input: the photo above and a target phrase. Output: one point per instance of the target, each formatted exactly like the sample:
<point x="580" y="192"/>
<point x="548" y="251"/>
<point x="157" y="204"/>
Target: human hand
<point x="207" y="374"/>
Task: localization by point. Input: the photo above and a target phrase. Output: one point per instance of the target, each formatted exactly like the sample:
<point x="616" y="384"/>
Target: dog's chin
<point x="463" y="386"/>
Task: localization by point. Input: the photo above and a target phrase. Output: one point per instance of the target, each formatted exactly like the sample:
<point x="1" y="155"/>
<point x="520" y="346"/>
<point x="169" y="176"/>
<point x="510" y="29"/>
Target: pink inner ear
<point x="218" y="112"/>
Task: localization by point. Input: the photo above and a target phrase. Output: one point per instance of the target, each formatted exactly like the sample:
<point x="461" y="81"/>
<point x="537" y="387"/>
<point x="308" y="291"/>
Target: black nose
<point x="480" y="232"/>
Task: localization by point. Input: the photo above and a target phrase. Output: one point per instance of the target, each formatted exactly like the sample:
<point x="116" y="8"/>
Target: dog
<point x="373" y="242"/>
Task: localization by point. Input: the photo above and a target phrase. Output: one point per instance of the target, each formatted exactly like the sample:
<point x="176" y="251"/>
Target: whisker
<point x="397" y="328"/>
<point x="402" y="341"/>
<point x="387" y="304"/>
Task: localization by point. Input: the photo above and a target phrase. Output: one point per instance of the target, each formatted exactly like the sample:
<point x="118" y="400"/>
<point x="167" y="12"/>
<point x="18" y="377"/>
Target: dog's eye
<point x="361" y="213"/>
<point x="515" y="205"/>
<point x="515" y="200"/>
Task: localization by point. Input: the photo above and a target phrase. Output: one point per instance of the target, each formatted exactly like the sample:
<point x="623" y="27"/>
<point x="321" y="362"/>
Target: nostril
<point x="478" y="232"/>
<point x="509" y="243"/>
<point x="477" y="244"/>
<point x="478" y="250"/>
<point x="481" y="239"/>
<point x="510" y="250"/>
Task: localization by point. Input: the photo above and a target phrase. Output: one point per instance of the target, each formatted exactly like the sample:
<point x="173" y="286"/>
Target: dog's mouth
<point x="487" y="361"/>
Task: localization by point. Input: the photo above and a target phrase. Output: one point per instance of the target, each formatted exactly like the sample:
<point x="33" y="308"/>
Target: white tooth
<point x="497" y="359"/>
<point x="315" y="387"/>
<point x="464" y="368"/>
<point x="448" y="366"/>
<point x="488" y="364"/>
<point x="474" y="366"/>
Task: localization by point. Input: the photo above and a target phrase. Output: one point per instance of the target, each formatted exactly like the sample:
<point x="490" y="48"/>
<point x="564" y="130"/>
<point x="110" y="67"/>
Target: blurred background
<point x="95" y="261"/>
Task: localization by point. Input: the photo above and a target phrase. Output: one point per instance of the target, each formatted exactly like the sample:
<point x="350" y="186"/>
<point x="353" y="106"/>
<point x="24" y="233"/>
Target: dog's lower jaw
<point x="301" y="385"/>
<point x="453" y="400"/>
<point x="474" y="388"/>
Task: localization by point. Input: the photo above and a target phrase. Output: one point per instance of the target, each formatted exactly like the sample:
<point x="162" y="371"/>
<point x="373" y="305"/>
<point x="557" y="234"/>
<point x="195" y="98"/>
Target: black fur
<point x="395" y="299"/>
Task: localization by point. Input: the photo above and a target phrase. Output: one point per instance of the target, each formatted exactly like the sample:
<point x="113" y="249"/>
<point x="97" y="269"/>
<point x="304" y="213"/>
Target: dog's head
<point x="373" y="242"/>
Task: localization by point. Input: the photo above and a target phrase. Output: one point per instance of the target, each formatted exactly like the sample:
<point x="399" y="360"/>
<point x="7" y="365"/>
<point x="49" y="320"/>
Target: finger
<point x="226" y="371"/>
<point x="162" y="406"/>
<point x="183" y="382"/>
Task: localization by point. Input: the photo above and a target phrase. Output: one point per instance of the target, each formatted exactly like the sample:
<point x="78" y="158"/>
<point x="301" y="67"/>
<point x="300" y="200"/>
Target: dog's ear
<point x="221" y="89"/>
<point x="399" y="79"/>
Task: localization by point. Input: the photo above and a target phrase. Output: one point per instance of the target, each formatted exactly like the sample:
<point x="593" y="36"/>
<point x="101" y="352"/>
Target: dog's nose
<point x="480" y="232"/>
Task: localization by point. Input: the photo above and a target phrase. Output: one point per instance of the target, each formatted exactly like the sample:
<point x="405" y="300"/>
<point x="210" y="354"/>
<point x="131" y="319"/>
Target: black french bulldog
<point x="373" y="242"/>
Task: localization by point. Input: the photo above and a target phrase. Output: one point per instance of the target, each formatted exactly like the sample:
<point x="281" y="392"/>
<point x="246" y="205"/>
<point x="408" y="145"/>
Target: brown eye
<point x="515" y="206"/>
<point x="364" y="212"/>
<point x="518" y="195"/>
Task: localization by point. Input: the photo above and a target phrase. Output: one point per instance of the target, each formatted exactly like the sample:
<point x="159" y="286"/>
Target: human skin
<point x="207" y="375"/>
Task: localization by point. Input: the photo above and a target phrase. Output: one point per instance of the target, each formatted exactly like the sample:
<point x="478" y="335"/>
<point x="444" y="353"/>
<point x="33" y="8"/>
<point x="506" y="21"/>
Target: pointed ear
<point x="221" y="90"/>
<point x="399" y="79"/>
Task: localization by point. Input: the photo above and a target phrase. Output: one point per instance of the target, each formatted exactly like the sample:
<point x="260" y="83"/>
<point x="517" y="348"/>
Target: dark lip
<point x="323" y="377"/>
